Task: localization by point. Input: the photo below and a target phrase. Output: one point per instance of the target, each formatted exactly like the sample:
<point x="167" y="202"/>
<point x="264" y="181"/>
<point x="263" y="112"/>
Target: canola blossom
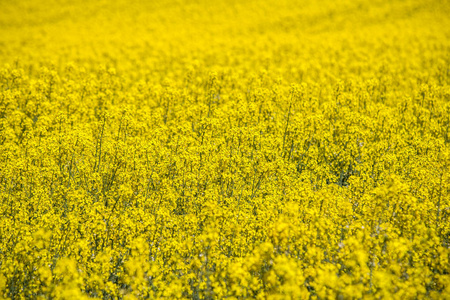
<point x="225" y="149"/>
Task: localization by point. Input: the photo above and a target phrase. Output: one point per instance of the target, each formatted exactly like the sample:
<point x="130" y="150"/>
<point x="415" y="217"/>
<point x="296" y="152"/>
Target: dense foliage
<point x="239" y="149"/>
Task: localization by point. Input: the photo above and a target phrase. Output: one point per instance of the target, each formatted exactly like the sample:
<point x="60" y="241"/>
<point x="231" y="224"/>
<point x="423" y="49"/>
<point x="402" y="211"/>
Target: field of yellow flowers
<point x="225" y="149"/>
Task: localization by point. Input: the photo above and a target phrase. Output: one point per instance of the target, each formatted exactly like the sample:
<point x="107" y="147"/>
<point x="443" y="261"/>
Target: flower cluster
<point x="158" y="149"/>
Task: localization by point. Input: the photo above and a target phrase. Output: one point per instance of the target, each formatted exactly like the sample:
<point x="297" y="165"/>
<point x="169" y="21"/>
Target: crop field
<point x="225" y="149"/>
